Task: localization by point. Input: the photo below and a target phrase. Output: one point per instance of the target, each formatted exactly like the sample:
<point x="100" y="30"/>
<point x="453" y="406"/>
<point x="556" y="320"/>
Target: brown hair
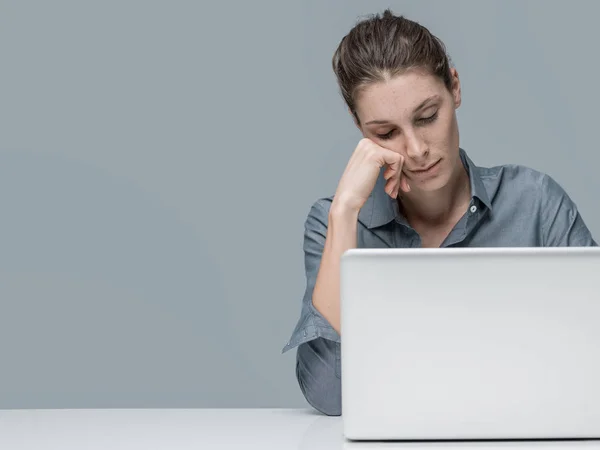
<point x="383" y="46"/>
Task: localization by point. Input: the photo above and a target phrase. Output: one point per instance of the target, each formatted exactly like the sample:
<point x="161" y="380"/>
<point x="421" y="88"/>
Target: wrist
<point x="341" y="210"/>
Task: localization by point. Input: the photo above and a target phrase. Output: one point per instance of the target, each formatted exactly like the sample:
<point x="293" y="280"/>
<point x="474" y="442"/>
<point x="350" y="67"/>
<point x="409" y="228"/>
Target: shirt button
<point x="473" y="208"/>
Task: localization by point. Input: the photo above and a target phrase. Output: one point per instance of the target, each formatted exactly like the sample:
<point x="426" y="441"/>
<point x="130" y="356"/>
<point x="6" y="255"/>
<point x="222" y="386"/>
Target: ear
<point x="456" y="89"/>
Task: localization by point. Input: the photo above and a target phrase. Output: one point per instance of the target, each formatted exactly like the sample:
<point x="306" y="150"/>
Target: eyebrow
<point x="418" y="108"/>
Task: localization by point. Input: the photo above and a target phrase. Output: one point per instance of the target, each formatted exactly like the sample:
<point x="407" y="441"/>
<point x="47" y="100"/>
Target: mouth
<point x="426" y="170"/>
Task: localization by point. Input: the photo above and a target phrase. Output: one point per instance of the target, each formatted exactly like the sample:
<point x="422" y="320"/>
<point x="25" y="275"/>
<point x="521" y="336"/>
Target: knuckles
<point x="371" y="150"/>
<point x="368" y="147"/>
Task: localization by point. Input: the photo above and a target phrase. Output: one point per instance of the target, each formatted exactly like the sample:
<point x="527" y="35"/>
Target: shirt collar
<point x="380" y="208"/>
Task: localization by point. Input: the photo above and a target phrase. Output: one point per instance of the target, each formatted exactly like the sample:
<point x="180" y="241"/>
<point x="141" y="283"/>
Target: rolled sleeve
<point x="318" y="367"/>
<point x="562" y="224"/>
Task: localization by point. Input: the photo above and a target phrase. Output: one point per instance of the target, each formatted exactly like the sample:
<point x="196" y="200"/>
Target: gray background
<point x="158" y="159"/>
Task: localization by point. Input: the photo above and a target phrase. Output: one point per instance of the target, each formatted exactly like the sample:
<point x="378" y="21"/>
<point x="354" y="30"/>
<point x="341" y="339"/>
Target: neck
<point x="438" y="207"/>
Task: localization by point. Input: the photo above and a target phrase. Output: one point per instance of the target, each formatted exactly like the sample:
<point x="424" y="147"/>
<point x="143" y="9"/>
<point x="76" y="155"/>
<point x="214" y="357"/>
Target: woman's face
<point x="414" y="114"/>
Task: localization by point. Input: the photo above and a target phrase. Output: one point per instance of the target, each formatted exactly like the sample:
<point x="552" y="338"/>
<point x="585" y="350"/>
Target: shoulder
<point x="318" y="213"/>
<point x="321" y="205"/>
<point x="519" y="181"/>
<point x="512" y="173"/>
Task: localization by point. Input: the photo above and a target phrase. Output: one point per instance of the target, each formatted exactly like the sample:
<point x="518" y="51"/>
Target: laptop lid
<point x="470" y="343"/>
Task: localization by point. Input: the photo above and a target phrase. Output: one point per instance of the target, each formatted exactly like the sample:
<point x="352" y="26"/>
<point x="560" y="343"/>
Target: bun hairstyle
<point x="383" y="46"/>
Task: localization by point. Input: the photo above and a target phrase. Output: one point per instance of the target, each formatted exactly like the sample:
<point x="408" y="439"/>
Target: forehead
<point x="397" y="96"/>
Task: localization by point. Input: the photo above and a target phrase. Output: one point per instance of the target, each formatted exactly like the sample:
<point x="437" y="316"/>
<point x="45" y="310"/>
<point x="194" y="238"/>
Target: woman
<point x="409" y="184"/>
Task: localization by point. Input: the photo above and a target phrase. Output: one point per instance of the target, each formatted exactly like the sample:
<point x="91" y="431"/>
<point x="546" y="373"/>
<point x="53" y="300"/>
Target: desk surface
<point x="214" y="429"/>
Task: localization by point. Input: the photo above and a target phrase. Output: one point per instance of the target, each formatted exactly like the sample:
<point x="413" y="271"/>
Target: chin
<point x="432" y="185"/>
<point x="439" y="182"/>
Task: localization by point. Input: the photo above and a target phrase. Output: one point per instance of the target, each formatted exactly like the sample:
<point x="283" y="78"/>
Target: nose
<point x="416" y="148"/>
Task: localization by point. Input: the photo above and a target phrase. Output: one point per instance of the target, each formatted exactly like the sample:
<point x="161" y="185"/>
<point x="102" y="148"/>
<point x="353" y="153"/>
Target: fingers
<point x="393" y="175"/>
<point x="401" y="185"/>
<point x="388" y="173"/>
<point x="393" y="163"/>
<point x="404" y="184"/>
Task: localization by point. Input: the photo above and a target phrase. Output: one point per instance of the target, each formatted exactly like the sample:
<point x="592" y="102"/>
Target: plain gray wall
<point x="158" y="159"/>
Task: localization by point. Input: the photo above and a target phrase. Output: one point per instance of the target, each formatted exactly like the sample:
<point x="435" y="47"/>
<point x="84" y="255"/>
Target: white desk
<point x="207" y="429"/>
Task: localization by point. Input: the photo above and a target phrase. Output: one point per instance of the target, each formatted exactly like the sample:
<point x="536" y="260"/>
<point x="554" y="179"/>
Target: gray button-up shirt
<point x="511" y="206"/>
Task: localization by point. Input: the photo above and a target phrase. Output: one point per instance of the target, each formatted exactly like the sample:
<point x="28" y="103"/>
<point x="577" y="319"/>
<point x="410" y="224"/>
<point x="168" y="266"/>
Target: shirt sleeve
<point x="318" y="374"/>
<point x="562" y="224"/>
<point x="318" y="354"/>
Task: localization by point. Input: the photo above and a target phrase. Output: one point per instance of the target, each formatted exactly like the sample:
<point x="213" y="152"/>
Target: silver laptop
<point x="470" y="343"/>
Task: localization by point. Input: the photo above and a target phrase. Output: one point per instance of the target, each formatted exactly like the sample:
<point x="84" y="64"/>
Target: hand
<point x="360" y="175"/>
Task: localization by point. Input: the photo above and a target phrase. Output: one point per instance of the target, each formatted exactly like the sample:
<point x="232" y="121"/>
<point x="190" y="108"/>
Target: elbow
<point x="328" y="409"/>
<point x="318" y="376"/>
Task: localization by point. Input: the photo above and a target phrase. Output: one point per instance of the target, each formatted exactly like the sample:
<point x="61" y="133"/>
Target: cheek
<point x="444" y="132"/>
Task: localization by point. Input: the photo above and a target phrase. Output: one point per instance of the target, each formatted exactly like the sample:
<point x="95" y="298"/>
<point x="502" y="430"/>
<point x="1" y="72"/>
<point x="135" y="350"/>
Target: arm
<point x="341" y="236"/>
<point x="562" y="224"/>
<point x="328" y="234"/>
<point x="330" y="230"/>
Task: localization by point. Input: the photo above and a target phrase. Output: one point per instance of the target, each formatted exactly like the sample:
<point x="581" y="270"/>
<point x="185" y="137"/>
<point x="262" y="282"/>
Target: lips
<point x="426" y="168"/>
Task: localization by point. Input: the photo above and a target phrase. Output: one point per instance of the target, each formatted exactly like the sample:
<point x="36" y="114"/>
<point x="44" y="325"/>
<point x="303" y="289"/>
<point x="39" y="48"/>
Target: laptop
<point x="470" y="343"/>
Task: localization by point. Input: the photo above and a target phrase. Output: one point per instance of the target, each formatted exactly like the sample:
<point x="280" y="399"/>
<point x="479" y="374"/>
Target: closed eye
<point x="385" y="136"/>
<point x="421" y="121"/>
<point x="430" y="119"/>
